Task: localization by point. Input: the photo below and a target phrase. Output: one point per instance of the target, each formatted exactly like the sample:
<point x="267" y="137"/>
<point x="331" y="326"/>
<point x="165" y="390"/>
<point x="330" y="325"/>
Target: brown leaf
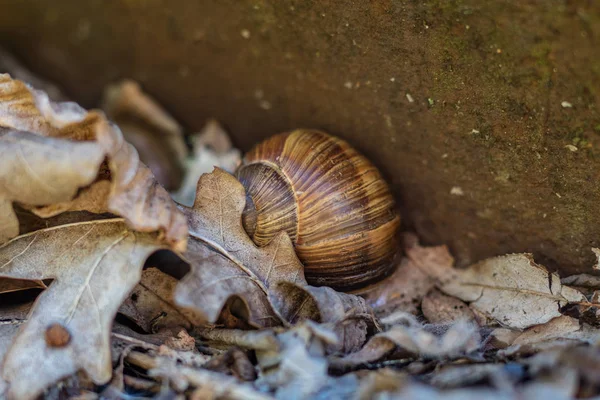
<point x="513" y="290"/>
<point x="407" y="333"/>
<point x="403" y="290"/>
<point x="14" y="285"/>
<point x="241" y="268"/>
<point x="9" y="64"/>
<point x="439" y="308"/>
<point x="562" y="329"/>
<point x="94" y="265"/>
<point x="152" y="131"/>
<point x="347" y="315"/>
<point x="132" y="193"/>
<point x="213" y="280"/>
<point x="151" y="304"/>
<point x="39" y="170"/>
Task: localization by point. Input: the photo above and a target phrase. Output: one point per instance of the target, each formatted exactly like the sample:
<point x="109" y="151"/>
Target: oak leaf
<point x="269" y="280"/>
<point x="240" y="268"/>
<point x="40" y="132"/>
<point x="94" y="265"/>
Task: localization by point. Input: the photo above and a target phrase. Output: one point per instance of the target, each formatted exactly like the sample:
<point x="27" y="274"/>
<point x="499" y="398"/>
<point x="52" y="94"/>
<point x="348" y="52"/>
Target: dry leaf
<point x="79" y="141"/>
<point x="513" y="290"/>
<point x="151" y="305"/>
<point x="212" y="148"/>
<point x="94" y="265"/>
<point x="403" y="290"/>
<point x="150" y="129"/>
<point x="297" y="368"/>
<point x="213" y="280"/>
<point x="9" y="64"/>
<point x="241" y="268"/>
<point x="37" y="170"/>
<point x="14" y="285"/>
<point x="450" y="341"/>
<point x="214" y="384"/>
<point x="439" y="308"/>
<point x="347" y="315"/>
<point x="562" y="329"/>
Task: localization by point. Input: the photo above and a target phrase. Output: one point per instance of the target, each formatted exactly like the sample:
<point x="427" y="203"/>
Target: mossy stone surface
<point x="467" y="107"/>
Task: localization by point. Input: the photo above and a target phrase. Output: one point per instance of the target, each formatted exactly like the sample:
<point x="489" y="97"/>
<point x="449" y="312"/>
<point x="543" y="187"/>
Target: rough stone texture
<point x="477" y="159"/>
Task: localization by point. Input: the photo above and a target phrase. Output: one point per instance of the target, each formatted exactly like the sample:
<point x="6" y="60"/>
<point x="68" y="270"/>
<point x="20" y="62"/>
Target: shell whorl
<point x="332" y="202"/>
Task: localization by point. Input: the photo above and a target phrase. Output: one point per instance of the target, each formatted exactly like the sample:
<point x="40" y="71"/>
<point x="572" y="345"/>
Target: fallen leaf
<point x="149" y="128"/>
<point x="14" y="285"/>
<point x="562" y="329"/>
<point x="450" y="341"/>
<point x="348" y="316"/>
<point x="76" y="142"/>
<point x="297" y="368"/>
<point x="214" y="384"/>
<point x="29" y="162"/>
<point x="212" y="148"/>
<point x="513" y="290"/>
<point x="439" y="308"/>
<point x="151" y="304"/>
<point x="240" y="268"/>
<point x="94" y="265"/>
<point x="10" y="64"/>
<point x="402" y="291"/>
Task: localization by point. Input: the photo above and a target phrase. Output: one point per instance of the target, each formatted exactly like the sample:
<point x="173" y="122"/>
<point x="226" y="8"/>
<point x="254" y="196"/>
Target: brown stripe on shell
<point x="271" y="204"/>
<point x="346" y="224"/>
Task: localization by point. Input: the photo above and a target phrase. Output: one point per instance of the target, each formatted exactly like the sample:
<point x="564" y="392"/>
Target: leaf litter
<point x="82" y="216"/>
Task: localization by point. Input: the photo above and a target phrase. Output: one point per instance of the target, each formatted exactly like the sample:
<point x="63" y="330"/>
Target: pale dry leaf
<point x="94" y="265"/>
<point x="297" y="368"/>
<point x="181" y="378"/>
<point x="248" y="272"/>
<point x="9" y="64"/>
<point x="152" y="131"/>
<point x="213" y="280"/>
<point x="132" y="193"/>
<point x="39" y="170"/>
<point x="439" y="308"/>
<point x="513" y="290"/>
<point x="562" y="329"/>
<point x="582" y="280"/>
<point x="348" y="315"/>
<point x="445" y="341"/>
<point x="402" y="291"/>
<point x="212" y="148"/>
<point x="151" y="304"/>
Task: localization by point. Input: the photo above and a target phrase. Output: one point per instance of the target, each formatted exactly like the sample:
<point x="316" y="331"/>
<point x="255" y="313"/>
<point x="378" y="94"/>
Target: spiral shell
<point x="332" y="202"/>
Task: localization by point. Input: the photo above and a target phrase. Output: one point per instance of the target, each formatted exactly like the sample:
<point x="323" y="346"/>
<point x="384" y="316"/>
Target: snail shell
<point x="331" y="201"/>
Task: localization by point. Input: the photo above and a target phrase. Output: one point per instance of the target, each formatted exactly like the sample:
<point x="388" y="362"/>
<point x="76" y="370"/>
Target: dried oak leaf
<point x="15" y="285"/>
<point x="151" y="305"/>
<point x="439" y="308"/>
<point x="348" y="316"/>
<point x="59" y="149"/>
<point x="149" y="128"/>
<point x="511" y="289"/>
<point x="269" y="280"/>
<point x="559" y="331"/>
<point x="238" y="267"/>
<point x="212" y="148"/>
<point x="94" y="265"/>
<point x="405" y="332"/>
